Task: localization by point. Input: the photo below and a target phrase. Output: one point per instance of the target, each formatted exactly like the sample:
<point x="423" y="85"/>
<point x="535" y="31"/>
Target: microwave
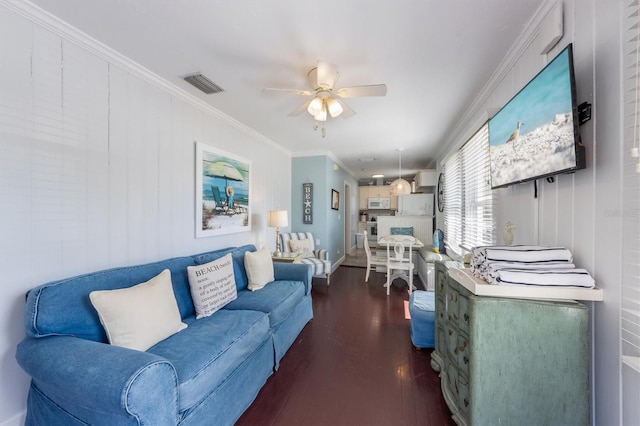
<point x="379" y="203"/>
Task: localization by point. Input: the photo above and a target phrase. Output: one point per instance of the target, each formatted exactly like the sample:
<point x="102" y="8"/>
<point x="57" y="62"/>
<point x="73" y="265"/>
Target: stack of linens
<point x="531" y="265"/>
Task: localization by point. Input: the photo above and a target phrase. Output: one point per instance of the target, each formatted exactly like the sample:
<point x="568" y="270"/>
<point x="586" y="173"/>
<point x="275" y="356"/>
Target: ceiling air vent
<point x="203" y="83"/>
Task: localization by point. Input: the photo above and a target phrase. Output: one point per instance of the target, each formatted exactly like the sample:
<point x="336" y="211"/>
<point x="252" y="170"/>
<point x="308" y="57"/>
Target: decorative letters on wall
<point x="307" y="203"/>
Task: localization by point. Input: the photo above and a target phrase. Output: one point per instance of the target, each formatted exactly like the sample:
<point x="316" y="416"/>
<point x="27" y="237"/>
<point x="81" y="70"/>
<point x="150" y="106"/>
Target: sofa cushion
<point x="212" y="285"/>
<point x="259" y="267"/>
<point x="207" y="352"/>
<point x="430" y="256"/>
<point x="237" y="253"/>
<point x="63" y="307"/>
<point x="407" y="230"/>
<point x="302" y="246"/>
<point x="278" y="300"/>
<point x="138" y="317"/>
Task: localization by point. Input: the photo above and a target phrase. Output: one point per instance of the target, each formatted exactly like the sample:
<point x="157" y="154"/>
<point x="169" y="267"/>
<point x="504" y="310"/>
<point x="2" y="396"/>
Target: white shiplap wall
<point x="97" y="169"/>
<point x="578" y="210"/>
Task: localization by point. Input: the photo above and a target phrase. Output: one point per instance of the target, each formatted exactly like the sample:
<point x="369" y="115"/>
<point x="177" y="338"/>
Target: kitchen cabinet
<point x="375" y="191"/>
<point x="394" y="202"/>
<point x="379" y="191"/>
<point x="363" y="195"/>
<point x="510" y="361"/>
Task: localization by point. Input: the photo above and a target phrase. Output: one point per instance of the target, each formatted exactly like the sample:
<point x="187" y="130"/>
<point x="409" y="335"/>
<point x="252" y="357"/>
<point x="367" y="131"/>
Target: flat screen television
<point x="535" y="135"/>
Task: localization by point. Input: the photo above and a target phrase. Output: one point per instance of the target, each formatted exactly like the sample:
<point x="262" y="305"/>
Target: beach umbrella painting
<point x="222" y="169"/>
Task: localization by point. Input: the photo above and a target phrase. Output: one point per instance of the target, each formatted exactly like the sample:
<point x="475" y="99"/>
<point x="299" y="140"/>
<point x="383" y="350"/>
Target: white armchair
<point x="318" y="258"/>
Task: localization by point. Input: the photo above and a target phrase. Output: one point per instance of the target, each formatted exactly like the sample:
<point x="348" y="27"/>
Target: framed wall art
<point x="223" y="183"/>
<point x="307" y="203"/>
<point x="335" y="200"/>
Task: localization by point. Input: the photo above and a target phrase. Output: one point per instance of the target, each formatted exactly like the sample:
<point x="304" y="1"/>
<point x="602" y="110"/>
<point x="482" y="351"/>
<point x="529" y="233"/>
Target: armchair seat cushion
<point x="320" y="267"/>
<point x="278" y="299"/>
<point x="320" y="259"/>
<point x="210" y="349"/>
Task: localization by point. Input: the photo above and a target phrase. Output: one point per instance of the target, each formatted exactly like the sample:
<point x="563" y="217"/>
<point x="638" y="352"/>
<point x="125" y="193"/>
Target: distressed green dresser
<point x="510" y="361"/>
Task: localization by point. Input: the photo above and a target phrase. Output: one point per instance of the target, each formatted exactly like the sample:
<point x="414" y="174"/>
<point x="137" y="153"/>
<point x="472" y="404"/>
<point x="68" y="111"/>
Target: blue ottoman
<point x="422" y="308"/>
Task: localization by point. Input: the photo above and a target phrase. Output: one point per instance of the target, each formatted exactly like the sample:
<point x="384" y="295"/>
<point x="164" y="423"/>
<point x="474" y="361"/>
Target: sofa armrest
<point x="92" y="378"/>
<point x="321" y="254"/>
<point x="294" y="272"/>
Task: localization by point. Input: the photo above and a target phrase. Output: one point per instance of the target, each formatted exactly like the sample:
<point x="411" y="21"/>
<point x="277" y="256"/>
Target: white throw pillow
<point x="302" y="246"/>
<point x="212" y="285"/>
<point x="138" y="317"/>
<point x="259" y="267"/>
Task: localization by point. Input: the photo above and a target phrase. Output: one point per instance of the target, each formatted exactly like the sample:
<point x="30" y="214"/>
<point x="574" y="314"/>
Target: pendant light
<point x="400" y="186"/>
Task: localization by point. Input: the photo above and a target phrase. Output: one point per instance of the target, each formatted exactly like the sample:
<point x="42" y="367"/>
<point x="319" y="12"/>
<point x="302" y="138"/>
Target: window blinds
<point x="453" y="202"/>
<point x="630" y="291"/>
<point x="468" y="207"/>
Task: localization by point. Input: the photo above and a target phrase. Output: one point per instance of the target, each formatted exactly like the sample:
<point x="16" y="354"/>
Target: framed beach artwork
<point x="335" y="200"/>
<point x="223" y="182"/>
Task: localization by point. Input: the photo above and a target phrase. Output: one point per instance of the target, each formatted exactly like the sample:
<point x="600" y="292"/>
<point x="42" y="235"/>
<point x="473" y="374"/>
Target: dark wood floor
<point x="353" y="364"/>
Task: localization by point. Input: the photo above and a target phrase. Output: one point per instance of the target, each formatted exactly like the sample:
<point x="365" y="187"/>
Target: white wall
<point x="575" y="210"/>
<point x="97" y="169"/>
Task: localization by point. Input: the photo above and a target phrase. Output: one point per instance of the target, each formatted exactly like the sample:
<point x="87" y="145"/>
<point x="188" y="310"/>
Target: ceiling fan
<point x="326" y="99"/>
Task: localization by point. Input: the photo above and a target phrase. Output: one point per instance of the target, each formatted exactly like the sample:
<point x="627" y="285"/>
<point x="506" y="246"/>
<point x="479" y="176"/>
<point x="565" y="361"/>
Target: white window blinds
<point x="453" y="202"/>
<point x="630" y="292"/>
<point x="468" y="207"/>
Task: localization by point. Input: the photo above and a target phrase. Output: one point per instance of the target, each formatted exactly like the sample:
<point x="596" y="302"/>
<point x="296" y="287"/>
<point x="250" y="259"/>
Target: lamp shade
<point x="321" y="116"/>
<point x="277" y="218"/>
<point x="400" y="187"/>
<point x="335" y="109"/>
<point x="315" y="106"/>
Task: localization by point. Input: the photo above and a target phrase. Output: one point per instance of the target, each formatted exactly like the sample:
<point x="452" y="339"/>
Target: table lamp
<point x="277" y="218"/>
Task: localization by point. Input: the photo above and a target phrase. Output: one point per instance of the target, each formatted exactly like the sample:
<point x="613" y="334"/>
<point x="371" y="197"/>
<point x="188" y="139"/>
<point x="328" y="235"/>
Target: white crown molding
<point x="69" y="33"/>
<point x="324" y="153"/>
<point x="477" y="112"/>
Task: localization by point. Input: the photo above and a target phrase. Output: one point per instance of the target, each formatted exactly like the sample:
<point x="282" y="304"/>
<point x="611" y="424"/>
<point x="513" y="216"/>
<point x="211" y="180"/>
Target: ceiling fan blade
<point x="293" y="91"/>
<point x="302" y="108"/>
<point x="358" y="91"/>
<point x="327" y="74"/>
<point x="347" y="111"/>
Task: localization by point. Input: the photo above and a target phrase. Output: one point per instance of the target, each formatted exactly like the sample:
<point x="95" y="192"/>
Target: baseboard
<point x="17" y="420"/>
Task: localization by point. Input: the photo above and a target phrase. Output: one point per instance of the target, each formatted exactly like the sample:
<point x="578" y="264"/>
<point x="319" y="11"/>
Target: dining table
<point x="408" y="241"/>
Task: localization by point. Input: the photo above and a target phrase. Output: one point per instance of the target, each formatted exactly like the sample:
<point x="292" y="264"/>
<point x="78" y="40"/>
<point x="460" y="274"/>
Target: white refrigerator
<point x="415" y="205"/>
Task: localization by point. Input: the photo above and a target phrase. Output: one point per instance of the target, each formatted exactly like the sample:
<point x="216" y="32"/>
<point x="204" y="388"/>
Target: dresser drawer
<point x="463" y="313"/>
<point x="440" y="313"/>
<point x="452" y="343"/>
<point x="452" y="380"/>
<point x="452" y="305"/>
<point x="463" y="395"/>
<point x="463" y="354"/>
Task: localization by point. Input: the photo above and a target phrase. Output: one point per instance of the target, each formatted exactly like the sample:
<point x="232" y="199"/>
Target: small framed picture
<point x="335" y="200"/>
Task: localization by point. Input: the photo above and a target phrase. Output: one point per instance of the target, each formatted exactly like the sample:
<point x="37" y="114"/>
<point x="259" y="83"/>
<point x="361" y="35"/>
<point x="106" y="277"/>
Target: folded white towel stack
<point x="531" y="265"/>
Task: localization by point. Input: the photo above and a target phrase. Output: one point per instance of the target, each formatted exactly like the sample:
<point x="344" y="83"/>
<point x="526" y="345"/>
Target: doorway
<point x="347" y="219"/>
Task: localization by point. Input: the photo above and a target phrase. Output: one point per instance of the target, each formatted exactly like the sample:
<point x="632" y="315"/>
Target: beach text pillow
<point x="212" y="285"/>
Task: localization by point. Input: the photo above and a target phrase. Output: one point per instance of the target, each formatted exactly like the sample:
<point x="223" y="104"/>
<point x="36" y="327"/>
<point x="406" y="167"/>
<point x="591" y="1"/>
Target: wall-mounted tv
<point x="535" y="135"/>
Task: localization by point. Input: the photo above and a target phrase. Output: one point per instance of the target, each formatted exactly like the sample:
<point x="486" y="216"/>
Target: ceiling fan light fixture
<point x="335" y="109"/>
<point x="321" y="116"/>
<point x="315" y="106"/>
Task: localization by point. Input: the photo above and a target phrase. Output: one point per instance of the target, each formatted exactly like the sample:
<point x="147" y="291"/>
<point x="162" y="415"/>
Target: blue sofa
<point x="206" y="374"/>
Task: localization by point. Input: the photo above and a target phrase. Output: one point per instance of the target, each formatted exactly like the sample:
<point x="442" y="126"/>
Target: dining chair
<point x="396" y="261"/>
<point x="371" y="260"/>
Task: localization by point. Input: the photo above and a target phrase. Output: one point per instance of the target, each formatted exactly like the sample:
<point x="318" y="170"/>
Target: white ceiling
<point x="433" y="55"/>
